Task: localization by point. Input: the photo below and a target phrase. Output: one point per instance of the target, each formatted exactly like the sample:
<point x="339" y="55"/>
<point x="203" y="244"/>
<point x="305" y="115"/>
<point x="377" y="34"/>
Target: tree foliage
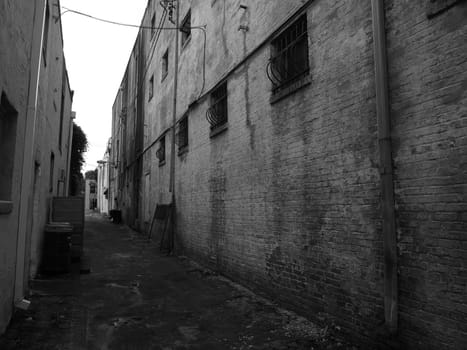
<point x="79" y="147"/>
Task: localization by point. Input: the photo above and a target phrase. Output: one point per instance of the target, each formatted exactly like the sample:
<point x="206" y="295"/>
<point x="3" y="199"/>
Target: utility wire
<point x="124" y="24"/>
<point x="160" y="28"/>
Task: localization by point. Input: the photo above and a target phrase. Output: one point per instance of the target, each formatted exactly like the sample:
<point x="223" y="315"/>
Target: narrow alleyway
<point x="137" y="298"/>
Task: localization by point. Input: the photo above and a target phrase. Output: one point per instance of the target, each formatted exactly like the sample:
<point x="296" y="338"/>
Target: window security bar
<point x="160" y="154"/>
<point x="289" y="60"/>
<point x="217" y="113"/>
<point x="215" y="118"/>
<point x="182" y="135"/>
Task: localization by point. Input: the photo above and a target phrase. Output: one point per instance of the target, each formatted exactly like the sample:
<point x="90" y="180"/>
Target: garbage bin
<point x="116" y="216"/>
<point x="57" y="247"/>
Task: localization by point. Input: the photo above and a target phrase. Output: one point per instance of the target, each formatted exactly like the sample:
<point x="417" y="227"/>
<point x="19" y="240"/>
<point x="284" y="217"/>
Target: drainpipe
<point x="174" y="116"/>
<point x="386" y="168"/>
<point x="68" y="161"/>
<point x="28" y="155"/>
<point x="174" y="122"/>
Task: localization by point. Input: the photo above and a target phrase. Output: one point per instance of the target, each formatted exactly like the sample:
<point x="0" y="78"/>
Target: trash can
<point x="116" y="216"/>
<point x="57" y="247"/>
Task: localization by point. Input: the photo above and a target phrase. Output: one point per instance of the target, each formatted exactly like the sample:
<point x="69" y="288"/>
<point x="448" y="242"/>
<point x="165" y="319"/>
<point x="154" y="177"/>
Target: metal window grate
<point x="186" y="28"/>
<point x="217" y="113"/>
<point x="153" y="25"/>
<point x="165" y="64"/>
<point x="160" y="154"/>
<point x="182" y="135"/>
<point x="289" y="60"/>
<point x="151" y="87"/>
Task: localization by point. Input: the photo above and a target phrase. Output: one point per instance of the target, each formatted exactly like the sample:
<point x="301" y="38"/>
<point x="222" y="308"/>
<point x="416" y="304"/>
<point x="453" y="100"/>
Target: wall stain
<point x="245" y="20"/>
<point x="217" y="190"/>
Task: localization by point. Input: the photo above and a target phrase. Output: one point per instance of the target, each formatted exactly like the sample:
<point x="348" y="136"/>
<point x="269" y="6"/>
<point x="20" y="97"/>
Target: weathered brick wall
<point x="47" y="137"/>
<point x="287" y="199"/>
<point x="428" y="83"/>
<point x="15" y="33"/>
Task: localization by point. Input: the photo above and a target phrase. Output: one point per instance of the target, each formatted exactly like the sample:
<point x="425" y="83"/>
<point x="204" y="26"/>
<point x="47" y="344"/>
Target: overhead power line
<point x="121" y="23"/>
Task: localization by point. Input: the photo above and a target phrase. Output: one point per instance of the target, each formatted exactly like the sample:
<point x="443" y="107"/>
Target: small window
<point x="153" y="25"/>
<point x="62" y="107"/>
<point x="165" y="64"/>
<point x="289" y="57"/>
<point x="161" y="151"/>
<point x="151" y="88"/>
<point x="217" y="112"/>
<point x="186" y="29"/>
<point x="51" y="174"/>
<point x="92" y="187"/>
<point x="46" y="33"/>
<point x="8" y="117"/>
<point x="437" y="7"/>
<point x="182" y="135"/>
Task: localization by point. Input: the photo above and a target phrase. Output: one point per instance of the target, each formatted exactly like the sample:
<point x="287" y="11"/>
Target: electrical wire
<point x="159" y="28"/>
<point x="123" y="24"/>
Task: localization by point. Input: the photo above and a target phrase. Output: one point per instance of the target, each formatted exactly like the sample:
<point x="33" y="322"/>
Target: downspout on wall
<point x="28" y="156"/>
<point x="386" y="167"/>
<point x="174" y="124"/>
<point x="68" y="157"/>
<point x="174" y="115"/>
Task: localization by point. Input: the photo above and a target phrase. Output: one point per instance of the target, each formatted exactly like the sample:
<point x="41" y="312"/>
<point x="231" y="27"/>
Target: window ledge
<point x="300" y="83"/>
<point x="182" y="150"/>
<point x="218" y="130"/>
<point x="6" y="207"/>
<point x="162" y="163"/>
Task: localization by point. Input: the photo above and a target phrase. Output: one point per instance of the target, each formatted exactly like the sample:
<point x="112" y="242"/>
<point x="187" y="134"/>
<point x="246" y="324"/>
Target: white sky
<point x="96" y="54"/>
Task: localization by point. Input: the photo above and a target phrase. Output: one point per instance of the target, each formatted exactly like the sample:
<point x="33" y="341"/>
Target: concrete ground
<point x="137" y="298"/>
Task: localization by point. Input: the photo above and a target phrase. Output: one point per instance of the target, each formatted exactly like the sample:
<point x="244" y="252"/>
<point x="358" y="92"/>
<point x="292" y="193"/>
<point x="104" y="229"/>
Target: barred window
<point x="182" y="135"/>
<point x="153" y="25"/>
<point x="186" y="29"/>
<point x="217" y="112"/>
<point x="161" y="151"/>
<point x="151" y="87"/>
<point x="8" y="118"/>
<point x="51" y="172"/>
<point x="165" y="64"/>
<point x="46" y="33"/>
<point x="437" y="7"/>
<point x="289" y="56"/>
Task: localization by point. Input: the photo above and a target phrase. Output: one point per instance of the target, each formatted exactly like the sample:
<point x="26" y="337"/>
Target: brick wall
<point x="15" y="30"/>
<point x="287" y="199"/>
<point x="17" y="21"/>
<point x="47" y="138"/>
<point x="428" y="80"/>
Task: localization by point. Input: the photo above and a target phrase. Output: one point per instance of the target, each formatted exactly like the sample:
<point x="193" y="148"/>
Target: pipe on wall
<point x="386" y="167"/>
<point x="37" y="41"/>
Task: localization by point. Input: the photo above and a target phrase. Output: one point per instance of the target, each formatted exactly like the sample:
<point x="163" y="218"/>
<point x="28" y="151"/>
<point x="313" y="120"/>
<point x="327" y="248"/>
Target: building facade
<point x="318" y="154"/>
<point x="90" y="195"/>
<point x="35" y="129"/>
<point x="103" y="182"/>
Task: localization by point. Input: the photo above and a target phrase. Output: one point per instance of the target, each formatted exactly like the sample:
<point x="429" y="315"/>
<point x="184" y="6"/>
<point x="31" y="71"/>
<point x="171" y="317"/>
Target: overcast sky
<point x="96" y="54"/>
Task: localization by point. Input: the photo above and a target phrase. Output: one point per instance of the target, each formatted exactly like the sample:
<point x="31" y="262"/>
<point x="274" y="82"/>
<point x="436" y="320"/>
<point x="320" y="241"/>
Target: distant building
<point x="103" y="182"/>
<point x="90" y="194"/>
<point x="319" y="155"/>
<point x="35" y="139"/>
